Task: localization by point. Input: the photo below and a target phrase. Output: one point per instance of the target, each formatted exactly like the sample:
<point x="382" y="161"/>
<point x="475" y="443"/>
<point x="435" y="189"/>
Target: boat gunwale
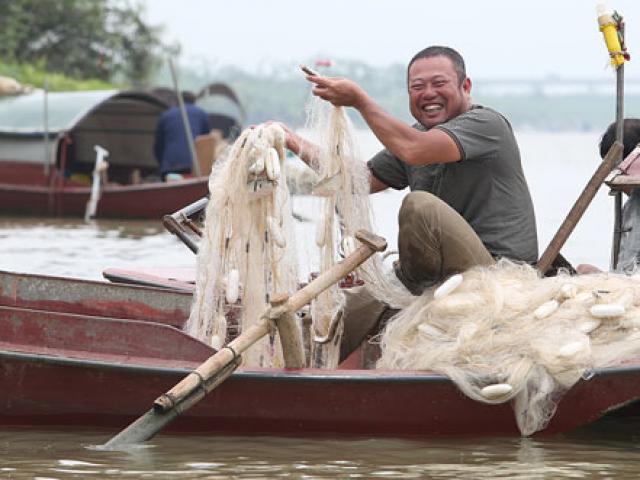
<point x="308" y="374"/>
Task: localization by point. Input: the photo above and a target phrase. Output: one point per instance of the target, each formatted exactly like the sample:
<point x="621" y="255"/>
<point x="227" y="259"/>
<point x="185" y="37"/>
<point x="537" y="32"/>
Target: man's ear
<point x="466" y="86"/>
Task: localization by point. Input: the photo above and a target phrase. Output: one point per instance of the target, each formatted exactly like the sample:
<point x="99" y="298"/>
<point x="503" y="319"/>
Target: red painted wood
<point x="98" y="338"/>
<point x="28" y="194"/>
<point x="22" y="173"/>
<point x="67" y="295"/>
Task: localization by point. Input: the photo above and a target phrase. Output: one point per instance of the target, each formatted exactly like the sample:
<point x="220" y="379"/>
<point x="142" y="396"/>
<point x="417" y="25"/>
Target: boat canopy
<point x="122" y="122"/>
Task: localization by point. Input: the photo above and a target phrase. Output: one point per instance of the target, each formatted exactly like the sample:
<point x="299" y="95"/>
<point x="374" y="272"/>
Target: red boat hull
<point x="88" y="297"/>
<point x="144" y="201"/>
<point x="85" y="369"/>
<point x="54" y="391"/>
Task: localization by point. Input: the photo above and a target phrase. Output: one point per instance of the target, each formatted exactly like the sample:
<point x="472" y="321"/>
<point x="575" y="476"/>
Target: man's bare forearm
<point x="405" y="142"/>
<point x="307" y="151"/>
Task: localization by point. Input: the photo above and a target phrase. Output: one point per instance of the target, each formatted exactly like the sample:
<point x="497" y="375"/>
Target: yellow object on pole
<point x="609" y="28"/>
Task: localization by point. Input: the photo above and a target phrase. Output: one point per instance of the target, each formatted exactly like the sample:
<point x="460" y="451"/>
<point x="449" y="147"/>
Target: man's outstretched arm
<point x="408" y="144"/>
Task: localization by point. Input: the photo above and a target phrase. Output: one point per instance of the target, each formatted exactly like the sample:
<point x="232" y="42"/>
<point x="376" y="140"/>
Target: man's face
<point x="435" y="93"/>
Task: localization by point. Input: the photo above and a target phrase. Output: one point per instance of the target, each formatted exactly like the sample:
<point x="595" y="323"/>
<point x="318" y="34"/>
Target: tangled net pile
<point x="506" y="334"/>
<point x="248" y="248"/>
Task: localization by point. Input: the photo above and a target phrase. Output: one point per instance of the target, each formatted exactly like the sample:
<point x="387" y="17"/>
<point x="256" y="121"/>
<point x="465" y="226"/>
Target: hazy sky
<point x="498" y="38"/>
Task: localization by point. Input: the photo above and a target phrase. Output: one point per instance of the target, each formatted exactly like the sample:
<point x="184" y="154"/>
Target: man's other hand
<point x="341" y="92"/>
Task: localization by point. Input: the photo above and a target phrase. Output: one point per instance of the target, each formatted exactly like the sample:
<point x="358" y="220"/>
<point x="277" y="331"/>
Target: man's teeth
<point x="432" y="108"/>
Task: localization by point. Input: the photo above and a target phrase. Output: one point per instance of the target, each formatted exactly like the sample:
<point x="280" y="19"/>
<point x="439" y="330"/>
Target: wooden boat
<point x="47" y="155"/>
<point x="82" y="353"/>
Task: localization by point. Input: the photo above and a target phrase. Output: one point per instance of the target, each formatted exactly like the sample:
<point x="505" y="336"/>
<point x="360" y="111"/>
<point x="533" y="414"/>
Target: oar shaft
<point x="220" y="365"/>
<point x="579" y="207"/>
<point x="370" y="244"/>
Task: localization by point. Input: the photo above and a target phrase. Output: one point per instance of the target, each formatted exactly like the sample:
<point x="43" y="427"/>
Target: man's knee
<point x="416" y="206"/>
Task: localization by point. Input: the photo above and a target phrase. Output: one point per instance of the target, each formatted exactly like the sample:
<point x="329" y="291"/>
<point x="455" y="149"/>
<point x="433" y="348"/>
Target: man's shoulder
<point x="482" y="111"/>
<point x="477" y="117"/>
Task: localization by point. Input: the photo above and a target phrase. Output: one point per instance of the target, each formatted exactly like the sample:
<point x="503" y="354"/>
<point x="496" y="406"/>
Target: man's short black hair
<point x="188" y="97"/>
<point x="438" y="51"/>
<point x="631" y="134"/>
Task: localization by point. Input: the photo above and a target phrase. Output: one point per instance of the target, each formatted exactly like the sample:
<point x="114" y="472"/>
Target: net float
<point x="496" y="391"/>
<point x="448" y="286"/>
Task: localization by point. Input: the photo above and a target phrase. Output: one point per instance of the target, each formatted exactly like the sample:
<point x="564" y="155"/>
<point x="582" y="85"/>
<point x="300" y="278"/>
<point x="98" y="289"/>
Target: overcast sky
<point x="498" y="38"/>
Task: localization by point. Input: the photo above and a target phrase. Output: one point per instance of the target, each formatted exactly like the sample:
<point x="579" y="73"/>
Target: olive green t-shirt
<point x="486" y="187"/>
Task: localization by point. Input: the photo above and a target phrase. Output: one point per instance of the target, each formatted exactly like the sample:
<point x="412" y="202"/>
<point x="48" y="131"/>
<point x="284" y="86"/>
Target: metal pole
<point x="617" y="222"/>
<point x="195" y="166"/>
<point x="47" y="147"/>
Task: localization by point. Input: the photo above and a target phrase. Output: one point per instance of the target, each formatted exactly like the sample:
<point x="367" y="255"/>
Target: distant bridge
<point x="551" y="86"/>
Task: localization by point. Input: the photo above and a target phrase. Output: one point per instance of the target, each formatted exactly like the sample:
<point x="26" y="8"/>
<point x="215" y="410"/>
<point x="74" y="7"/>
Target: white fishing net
<point x="505" y="334"/>
<point x="247" y="253"/>
<point x="248" y="250"/>
<point x="344" y="185"/>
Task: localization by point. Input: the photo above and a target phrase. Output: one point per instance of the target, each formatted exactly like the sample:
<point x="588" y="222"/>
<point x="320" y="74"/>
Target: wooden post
<point x="306" y="338"/>
<point x="289" y="331"/>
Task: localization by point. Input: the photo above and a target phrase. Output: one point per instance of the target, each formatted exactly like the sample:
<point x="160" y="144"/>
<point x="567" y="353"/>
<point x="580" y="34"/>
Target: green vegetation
<point x="83" y="39"/>
<point x="35" y="76"/>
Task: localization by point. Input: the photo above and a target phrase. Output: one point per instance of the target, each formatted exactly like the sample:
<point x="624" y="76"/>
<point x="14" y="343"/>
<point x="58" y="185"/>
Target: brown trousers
<point x="434" y="242"/>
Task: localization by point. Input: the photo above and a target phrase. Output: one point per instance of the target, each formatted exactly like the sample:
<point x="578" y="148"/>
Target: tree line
<point x="106" y="40"/>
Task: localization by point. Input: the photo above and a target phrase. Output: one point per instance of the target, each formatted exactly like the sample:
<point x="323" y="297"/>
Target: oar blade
<point x="141" y="430"/>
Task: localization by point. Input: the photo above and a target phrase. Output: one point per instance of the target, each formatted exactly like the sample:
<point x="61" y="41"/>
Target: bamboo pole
<point x="617" y="222"/>
<point x="579" y="207"/>
<point x="185" y="121"/>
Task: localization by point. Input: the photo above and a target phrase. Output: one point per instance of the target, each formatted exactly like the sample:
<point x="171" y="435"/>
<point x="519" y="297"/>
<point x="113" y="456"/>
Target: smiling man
<point x="469" y="202"/>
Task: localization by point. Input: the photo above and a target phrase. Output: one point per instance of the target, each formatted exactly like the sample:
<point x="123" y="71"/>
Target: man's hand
<point x="304" y="149"/>
<point x="291" y="139"/>
<point x="339" y="91"/>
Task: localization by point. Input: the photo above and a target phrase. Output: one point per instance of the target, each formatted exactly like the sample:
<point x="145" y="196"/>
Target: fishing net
<point x="247" y="252"/>
<point x="344" y="187"/>
<point x="506" y="334"/>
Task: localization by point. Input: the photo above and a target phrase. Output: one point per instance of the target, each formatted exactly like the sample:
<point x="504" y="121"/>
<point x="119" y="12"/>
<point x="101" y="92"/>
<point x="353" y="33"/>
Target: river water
<point x="557" y="167"/>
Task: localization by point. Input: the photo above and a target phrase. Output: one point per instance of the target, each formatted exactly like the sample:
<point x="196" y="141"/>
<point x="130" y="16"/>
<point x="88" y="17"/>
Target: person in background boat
<point x="469" y="202"/>
<point x="629" y="254"/>
<point x="171" y="147"/>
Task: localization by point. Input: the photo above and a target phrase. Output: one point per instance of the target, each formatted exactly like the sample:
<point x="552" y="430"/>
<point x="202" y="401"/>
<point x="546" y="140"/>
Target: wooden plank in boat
<point x="174" y="278"/>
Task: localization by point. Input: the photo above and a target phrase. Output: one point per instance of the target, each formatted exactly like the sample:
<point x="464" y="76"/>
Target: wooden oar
<point x="583" y="201"/>
<point x="220" y="366"/>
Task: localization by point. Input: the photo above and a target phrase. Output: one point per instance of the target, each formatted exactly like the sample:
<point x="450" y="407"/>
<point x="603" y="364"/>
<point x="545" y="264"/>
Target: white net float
<point x="272" y="165"/>
<point x="546" y="309"/>
<point x="604" y="310"/>
<point x="449" y="286"/>
<point x="233" y="286"/>
<point x="496" y="391"/>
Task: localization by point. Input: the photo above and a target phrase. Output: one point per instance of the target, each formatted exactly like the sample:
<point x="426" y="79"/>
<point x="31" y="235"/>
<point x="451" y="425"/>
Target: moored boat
<point x="48" y="153"/>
